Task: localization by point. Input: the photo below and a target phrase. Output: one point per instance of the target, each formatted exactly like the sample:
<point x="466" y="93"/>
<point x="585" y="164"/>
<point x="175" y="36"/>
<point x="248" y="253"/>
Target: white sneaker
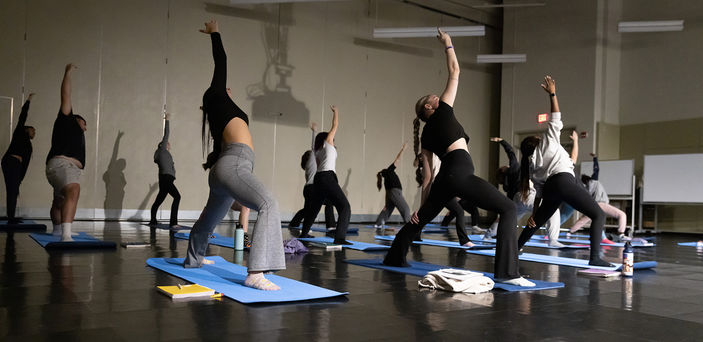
<point x="556" y="244"/>
<point x="518" y="282"/>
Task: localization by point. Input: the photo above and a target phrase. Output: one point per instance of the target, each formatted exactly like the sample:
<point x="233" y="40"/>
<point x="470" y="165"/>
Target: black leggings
<point x="456" y="179"/>
<point x="459" y="207"/>
<point x="563" y="187"/>
<point x="326" y="187"/>
<point x="300" y="215"/>
<point x="12" y="169"/>
<point x="166" y="186"/>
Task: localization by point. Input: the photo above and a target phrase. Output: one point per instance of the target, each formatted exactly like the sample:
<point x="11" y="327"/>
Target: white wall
<point x="135" y="57"/>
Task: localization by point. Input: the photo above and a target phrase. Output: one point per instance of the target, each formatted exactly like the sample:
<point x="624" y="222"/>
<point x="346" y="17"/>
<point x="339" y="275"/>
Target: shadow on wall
<point x="152" y="189"/>
<point x="115" y="181"/>
<point x="345" y="186"/>
<point x="273" y="99"/>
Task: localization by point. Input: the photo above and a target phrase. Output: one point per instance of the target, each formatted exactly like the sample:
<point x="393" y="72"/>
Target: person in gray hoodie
<point x="167" y="175"/>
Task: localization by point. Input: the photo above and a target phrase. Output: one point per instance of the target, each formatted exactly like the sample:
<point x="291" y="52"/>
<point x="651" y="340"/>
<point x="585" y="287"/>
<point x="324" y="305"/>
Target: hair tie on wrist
<point x="449" y="47"/>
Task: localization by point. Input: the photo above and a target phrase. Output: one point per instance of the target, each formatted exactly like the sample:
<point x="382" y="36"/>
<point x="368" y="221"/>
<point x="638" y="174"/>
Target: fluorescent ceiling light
<point x="650" y="26"/>
<point x="251" y="2"/>
<point x="412" y="32"/>
<point x="534" y="4"/>
<point x="506" y="58"/>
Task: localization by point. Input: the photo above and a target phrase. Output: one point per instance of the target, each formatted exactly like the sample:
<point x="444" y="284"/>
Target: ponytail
<point x="379" y="180"/>
<point x="419" y="176"/>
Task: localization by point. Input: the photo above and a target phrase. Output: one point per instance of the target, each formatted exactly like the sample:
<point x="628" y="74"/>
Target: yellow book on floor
<point x="186" y="291"/>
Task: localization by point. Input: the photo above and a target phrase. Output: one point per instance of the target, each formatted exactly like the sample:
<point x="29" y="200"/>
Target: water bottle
<point x="628" y="260"/>
<point x="239" y="238"/>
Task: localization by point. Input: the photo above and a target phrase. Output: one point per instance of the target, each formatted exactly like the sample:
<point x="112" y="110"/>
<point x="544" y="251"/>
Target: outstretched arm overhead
<point x="575" y="150"/>
<point x="66" y="105"/>
<point x="313" y="128"/>
<point x="219" y="76"/>
<point x="335" y="124"/>
<point x="513" y="164"/>
<point x="596" y="167"/>
<point x="167" y="131"/>
<point x="24" y="113"/>
<point x="397" y="157"/>
<point x="450" y="89"/>
<point x="550" y="87"/>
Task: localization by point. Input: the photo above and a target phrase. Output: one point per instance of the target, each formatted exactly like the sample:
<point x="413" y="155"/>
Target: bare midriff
<point x="457" y="145"/>
<point x="237" y="131"/>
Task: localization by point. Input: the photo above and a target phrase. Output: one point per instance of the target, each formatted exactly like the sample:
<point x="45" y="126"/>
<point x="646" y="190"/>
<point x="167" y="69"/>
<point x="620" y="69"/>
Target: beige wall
<point x="135" y="57"/>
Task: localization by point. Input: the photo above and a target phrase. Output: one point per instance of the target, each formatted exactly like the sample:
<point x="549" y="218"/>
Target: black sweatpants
<point x="166" y="186"/>
<point x="300" y="215"/>
<point x="564" y="187"/>
<point x="456" y="179"/>
<point x="464" y="206"/>
<point x="13" y="171"/>
<point x="326" y="187"/>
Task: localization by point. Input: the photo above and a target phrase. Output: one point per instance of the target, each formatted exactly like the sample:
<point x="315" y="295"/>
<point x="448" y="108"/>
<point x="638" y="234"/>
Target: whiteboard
<point x="673" y="178"/>
<point x="615" y="175"/>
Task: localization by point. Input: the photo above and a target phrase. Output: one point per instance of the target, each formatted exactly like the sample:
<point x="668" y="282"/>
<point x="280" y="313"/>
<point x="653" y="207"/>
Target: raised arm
<point x="22" y="120"/>
<point x="397" y="157"/>
<point x="575" y="150"/>
<point x="335" y="124"/>
<point x="313" y="128"/>
<point x="450" y="89"/>
<point x="550" y="86"/>
<point x="167" y="131"/>
<point x="596" y="167"/>
<point x="219" y="76"/>
<point x="513" y="164"/>
<point x="66" y="105"/>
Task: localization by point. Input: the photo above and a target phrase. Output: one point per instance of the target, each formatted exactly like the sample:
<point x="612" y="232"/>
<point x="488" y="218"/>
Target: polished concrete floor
<point x="110" y="295"/>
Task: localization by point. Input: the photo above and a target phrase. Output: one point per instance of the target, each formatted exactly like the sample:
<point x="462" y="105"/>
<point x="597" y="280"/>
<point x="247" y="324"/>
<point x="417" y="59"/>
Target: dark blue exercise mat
<point x="350" y="230"/>
<point x="556" y="260"/>
<point x="165" y="226"/>
<point x="616" y="244"/>
<point x="359" y="246"/>
<point x="421" y="268"/>
<point x="215" y="239"/>
<point x="228" y="279"/>
<point x="440" y="243"/>
<point x="80" y="241"/>
<point x="426" y="230"/>
<point x="25" y="226"/>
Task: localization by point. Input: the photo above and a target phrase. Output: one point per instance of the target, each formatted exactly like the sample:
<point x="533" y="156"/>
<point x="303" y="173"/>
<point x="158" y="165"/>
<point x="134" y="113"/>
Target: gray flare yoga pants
<point x="231" y="179"/>
<point x="394" y="199"/>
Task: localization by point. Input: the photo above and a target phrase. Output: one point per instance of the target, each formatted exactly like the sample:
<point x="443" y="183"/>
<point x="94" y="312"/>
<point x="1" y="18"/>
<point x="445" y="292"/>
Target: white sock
<point x="555" y="243"/>
<point x="66" y="231"/>
<point x="57" y="230"/>
<point x="518" y="282"/>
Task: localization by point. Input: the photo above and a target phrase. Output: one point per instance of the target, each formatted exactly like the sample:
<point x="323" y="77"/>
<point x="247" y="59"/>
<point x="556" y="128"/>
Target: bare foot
<point x="259" y="282"/>
<point x="208" y="262"/>
<point x="469" y="244"/>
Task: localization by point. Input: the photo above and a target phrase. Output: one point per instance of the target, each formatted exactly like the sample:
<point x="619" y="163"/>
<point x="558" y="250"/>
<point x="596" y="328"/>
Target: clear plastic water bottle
<point x="628" y="260"/>
<point x="239" y="238"/>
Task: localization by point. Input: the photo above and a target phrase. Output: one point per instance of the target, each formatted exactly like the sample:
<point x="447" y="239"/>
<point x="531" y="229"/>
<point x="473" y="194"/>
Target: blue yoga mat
<point x="440" y="243"/>
<point x="546" y="245"/>
<point x="215" y="239"/>
<point x="165" y="226"/>
<point x="228" y="279"/>
<point x="359" y="246"/>
<point x="80" y="241"/>
<point x="617" y="244"/>
<point x="350" y="230"/>
<point x="25" y="226"/>
<point x="420" y="269"/>
<point x="555" y="260"/>
<point x="688" y="244"/>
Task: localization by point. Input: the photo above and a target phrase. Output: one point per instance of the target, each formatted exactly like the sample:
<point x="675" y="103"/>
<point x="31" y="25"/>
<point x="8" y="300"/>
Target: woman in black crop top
<point x="445" y="137"/>
<point x="231" y="178"/>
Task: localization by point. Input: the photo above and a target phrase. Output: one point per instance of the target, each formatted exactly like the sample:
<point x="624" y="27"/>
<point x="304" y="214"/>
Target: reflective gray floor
<point x="110" y="295"/>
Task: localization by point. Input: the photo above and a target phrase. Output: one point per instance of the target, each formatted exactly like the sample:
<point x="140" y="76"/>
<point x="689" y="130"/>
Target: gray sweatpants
<point x="394" y="199"/>
<point x="231" y="179"/>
